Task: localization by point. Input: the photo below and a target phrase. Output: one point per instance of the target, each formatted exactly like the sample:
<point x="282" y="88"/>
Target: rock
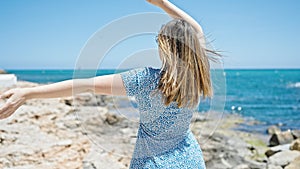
<point x="274" y="167"/>
<point x="127" y="131"/>
<point x="281" y="138"/>
<point x="98" y="160"/>
<point x="296" y="133"/>
<point x="68" y="101"/>
<point x="88" y="165"/>
<point x="64" y="143"/>
<point x="197" y="117"/>
<point x="3" y="71"/>
<point x="219" y="163"/>
<point x="59" y="140"/>
<point x="102" y="100"/>
<point x="242" y="166"/>
<point x="296" y="145"/>
<point x="226" y="163"/>
<point x="85" y="99"/>
<point x="269" y="152"/>
<point x="71" y="124"/>
<point x="111" y="119"/>
<point x="273" y="130"/>
<point x="277" y="149"/>
<point x="8" y="80"/>
<point x="294" y="164"/>
<point x="255" y="164"/>
<point x="283" y="158"/>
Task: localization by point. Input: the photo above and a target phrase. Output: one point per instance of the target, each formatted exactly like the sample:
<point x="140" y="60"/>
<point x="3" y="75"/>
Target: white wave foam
<point x="294" y="85"/>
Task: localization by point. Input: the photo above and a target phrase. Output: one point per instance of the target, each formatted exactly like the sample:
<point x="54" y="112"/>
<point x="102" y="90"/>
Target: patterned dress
<point x="164" y="138"/>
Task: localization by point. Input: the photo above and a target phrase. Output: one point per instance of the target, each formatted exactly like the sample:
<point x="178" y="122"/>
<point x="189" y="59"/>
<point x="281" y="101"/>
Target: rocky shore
<point x="99" y="132"/>
<point x="2" y="71"/>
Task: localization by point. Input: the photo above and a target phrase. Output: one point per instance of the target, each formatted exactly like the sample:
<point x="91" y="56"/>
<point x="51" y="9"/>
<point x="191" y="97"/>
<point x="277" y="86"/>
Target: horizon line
<point x="19" y="69"/>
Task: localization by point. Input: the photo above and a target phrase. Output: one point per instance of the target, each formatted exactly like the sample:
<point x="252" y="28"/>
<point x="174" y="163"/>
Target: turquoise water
<point x="50" y="76"/>
<point x="270" y="96"/>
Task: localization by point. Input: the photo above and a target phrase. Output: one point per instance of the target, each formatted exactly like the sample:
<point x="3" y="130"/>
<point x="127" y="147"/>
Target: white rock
<point x="284" y="157"/>
<point x="125" y="130"/>
<point x="273" y="150"/>
<point x="294" y="164"/>
<point x="281" y="147"/>
<point x="242" y="166"/>
<point x="274" y="167"/>
<point x="22" y="167"/>
<point x="7" y="80"/>
<point x="64" y="143"/>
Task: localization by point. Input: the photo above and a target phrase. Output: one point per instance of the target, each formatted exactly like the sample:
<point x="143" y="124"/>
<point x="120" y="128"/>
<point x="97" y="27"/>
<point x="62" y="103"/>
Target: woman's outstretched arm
<point x="177" y="13"/>
<point x="106" y="85"/>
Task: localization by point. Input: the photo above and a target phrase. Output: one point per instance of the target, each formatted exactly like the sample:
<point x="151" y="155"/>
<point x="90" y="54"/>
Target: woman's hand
<point x="156" y="2"/>
<point x="16" y="98"/>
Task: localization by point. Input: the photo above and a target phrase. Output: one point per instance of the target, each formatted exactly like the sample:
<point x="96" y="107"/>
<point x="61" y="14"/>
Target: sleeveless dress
<point x="164" y="139"/>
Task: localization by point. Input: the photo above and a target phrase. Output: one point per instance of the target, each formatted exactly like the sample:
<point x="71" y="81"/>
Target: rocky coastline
<point x="2" y="71"/>
<point x="94" y="132"/>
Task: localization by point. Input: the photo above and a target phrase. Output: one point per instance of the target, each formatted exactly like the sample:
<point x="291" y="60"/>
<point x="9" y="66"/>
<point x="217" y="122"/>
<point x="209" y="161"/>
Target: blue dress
<point x="164" y="139"/>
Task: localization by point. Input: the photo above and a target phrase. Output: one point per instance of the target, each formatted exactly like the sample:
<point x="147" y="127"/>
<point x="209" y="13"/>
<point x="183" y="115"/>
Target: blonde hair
<point x="185" y="72"/>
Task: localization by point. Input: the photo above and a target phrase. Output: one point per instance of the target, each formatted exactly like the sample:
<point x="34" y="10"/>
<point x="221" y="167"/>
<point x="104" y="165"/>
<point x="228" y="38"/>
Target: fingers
<point x="6" y="114"/>
<point x="9" y="107"/>
<point x="6" y="94"/>
<point x="6" y="110"/>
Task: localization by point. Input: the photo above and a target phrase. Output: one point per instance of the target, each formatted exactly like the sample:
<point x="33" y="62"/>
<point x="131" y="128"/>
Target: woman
<point x="166" y="97"/>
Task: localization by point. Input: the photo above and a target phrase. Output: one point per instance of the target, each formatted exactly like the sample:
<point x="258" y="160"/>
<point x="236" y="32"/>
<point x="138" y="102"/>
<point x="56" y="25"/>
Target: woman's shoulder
<point x="152" y="69"/>
<point x="152" y="72"/>
<point x="148" y="75"/>
<point x="147" y="71"/>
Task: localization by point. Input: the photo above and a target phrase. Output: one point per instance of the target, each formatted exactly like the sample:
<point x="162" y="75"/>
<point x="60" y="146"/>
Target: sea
<point x="268" y="96"/>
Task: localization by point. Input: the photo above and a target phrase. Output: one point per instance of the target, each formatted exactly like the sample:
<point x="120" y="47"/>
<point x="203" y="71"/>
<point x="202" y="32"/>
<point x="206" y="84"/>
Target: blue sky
<point x="50" y="34"/>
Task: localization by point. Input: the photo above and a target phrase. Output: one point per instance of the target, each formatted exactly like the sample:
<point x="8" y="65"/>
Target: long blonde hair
<point x="185" y="65"/>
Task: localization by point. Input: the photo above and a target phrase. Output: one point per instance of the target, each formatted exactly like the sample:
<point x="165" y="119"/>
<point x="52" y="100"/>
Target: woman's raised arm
<point x="177" y="13"/>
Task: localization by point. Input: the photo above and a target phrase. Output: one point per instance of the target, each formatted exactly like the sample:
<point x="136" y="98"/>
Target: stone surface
<point x="2" y="71"/>
<point x="296" y="133"/>
<point x="273" y="130"/>
<point x="283" y="158"/>
<point x="59" y="134"/>
<point x="242" y="166"/>
<point x="274" y="167"/>
<point x="294" y="164"/>
<point x="272" y="150"/>
<point x="111" y="119"/>
<point x="285" y="137"/>
<point x="296" y="145"/>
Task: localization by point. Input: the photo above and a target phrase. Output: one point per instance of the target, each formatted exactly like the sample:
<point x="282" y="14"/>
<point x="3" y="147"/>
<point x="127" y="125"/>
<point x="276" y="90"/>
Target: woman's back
<point x="164" y="137"/>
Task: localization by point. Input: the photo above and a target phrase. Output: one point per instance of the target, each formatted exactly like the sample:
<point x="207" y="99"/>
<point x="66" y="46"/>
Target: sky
<point x="50" y="34"/>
